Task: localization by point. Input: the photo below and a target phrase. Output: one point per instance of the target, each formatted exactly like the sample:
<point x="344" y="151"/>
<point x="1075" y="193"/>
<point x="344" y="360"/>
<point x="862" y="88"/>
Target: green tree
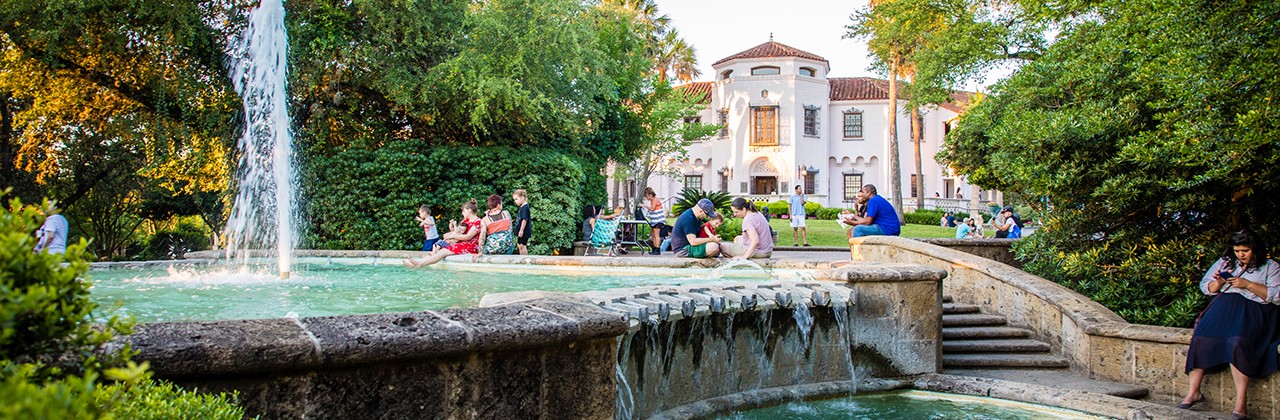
<point x="1147" y="130"/>
<point x="664" y="134"/>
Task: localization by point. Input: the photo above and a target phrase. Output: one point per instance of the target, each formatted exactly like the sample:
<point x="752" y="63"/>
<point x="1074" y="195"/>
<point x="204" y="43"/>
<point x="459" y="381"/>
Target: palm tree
<point x="676" y="58"/>
<point x="672" y="55"/>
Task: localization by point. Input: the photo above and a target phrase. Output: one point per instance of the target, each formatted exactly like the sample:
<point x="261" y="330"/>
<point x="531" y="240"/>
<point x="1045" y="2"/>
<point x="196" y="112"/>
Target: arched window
<point x="725" y="75"/>
<point x="808" y="71"/>
<point x="765" y="70"/>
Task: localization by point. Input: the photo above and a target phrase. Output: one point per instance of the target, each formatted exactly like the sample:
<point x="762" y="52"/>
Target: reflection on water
<point x="322" y="286"/>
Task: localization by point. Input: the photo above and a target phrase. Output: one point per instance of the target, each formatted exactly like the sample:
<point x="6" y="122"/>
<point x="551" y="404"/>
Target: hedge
<point x="932" y="217"/>
<point x="367" y="198"/>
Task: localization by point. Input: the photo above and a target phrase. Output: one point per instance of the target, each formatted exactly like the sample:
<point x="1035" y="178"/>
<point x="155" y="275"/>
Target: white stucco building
<point x="789" y="124"/>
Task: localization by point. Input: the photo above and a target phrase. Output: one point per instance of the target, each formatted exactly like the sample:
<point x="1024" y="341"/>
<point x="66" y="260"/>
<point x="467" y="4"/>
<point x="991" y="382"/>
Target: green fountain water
<point x="323" y="287"/>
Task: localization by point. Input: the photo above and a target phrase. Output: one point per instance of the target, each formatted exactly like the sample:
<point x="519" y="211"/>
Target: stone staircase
<point x="984" y="345"/>
<point x="971" y="339"/>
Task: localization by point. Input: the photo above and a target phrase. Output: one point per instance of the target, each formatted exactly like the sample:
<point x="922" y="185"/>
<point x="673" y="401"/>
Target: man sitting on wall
<point x="684" y="236"/>
<point x="881" y="218"/>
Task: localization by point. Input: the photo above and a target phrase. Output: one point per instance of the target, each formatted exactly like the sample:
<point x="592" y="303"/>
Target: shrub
<point x="367" y="199"/>
<point x="932" y="217"/>
<point x="829" y="213"/>
<point x="778" y="208"/>
<point x="45" y="311"/>
<point x="811" y="208"/>
<point x="51" y="345"/>
<point x="689" y="197"/>
<point x="730" y="229"/>
<point x="187" y="236"/>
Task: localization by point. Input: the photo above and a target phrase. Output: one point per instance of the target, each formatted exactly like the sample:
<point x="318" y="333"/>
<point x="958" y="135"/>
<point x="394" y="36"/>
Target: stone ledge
<point x="129" y="265"/>
<point x="1089" y="402"/>
<point x="868" y="272"/>
<point x="1082" y="310"/>
<point x="221" y="348"/>
<point x="334" y="253"/>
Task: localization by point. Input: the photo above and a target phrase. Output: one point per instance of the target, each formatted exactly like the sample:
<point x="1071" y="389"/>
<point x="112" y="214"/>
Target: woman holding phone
<point x="1240" y="329"/>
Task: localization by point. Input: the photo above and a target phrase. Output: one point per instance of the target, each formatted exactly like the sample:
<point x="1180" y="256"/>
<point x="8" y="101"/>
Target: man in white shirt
<point x="796" y="204"/>
<point x="52" y="236"/>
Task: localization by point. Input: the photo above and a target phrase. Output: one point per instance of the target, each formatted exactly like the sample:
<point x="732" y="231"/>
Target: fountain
<point x="264" y="208"/>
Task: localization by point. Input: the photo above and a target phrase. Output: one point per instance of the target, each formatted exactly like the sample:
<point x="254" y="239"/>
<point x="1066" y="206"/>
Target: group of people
<point x="873" y="215"/>
<point x="494" y="232"/>
<point x="1006" y="223"/>
<point x="693" y="238"/>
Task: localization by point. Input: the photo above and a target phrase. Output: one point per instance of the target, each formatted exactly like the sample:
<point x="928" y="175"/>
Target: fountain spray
<point x="264" y="208"/>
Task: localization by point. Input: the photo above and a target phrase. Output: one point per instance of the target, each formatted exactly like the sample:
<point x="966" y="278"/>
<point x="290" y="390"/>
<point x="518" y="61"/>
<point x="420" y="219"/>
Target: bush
<point x="829" y="213"/>
<point x="45" y="311"/>
<point x="51" y="343"/>
<point x="933" y="217"/>
<point x="367" y="199"/>
<point x="730" y="229"/>
<point x="811" y="208"/>
<point x="152" y="399"/>
<point x="187" y="236"/>
<point x="778" y="208"/>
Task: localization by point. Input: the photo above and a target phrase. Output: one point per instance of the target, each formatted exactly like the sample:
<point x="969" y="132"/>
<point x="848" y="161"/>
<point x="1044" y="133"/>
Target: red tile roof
<point x="858" y="88"/>
<point x="700" y="90"/>
<point x="769" y="50"/>
<point x="848" y="89"/>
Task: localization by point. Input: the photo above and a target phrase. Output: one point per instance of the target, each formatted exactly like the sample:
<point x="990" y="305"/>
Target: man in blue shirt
<point x="684" y="235"/>
<point x="881" y="218"/>
<point x="797" y="214"/>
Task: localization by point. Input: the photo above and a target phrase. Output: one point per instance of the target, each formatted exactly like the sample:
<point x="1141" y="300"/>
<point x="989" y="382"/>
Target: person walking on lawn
<point x="796" y="202"/>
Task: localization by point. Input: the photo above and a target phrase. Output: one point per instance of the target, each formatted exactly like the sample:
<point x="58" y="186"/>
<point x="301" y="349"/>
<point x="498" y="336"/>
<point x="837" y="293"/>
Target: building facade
<point x="787" y="124"/>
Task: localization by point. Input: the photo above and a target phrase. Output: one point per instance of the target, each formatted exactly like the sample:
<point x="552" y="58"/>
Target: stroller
<point x="604" y="238"/>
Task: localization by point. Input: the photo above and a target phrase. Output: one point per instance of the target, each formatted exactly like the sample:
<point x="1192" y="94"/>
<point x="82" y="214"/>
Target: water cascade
<point x="727" y="339"/>
<point x="263" y="213"/>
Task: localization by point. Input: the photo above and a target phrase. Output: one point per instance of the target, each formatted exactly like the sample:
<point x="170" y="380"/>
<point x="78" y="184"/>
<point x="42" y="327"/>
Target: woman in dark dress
<point x="1240" y="329"/>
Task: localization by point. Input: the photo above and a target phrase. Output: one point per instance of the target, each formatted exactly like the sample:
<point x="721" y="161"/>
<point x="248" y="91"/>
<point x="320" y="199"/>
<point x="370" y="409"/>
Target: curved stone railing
<point x="1097" y="342"/>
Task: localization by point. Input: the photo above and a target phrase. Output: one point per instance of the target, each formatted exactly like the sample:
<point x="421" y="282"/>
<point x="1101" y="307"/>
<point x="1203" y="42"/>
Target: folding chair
<point x="604" y="237"/>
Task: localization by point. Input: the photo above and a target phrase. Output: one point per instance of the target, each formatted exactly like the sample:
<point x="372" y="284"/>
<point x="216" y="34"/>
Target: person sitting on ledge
<point x="465" y="243"/>
<point x="881" y="218"/>
<point x="755" y="241"/>
<point x="1240" y="329"/>
<point x="684" y="237"/>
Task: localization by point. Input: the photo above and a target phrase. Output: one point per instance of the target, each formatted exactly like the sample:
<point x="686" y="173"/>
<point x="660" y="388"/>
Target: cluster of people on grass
<point x="494" y="232"/>
<point x="1006" y="223"/>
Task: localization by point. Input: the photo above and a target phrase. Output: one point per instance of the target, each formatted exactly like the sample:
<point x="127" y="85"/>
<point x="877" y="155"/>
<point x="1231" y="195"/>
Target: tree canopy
<point x="1146" y="133"/>
<point x="129" y="104"/>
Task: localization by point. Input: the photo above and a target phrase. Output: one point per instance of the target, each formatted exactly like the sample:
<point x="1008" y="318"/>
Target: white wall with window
<point x="788" y="123"/>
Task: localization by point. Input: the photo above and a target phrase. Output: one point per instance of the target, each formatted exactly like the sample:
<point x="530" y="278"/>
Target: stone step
<point x="972" y="320"/>
<point x="1006" y="360"/>
<point x="959" y="308"/>
<point x="1057" y="379"/>
<point x="994" y="346"/>
<point x="983" y="332"/>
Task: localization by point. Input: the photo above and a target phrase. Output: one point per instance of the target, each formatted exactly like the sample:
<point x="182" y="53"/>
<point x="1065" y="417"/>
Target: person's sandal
<point x="1237" y="416"/>
<point x="1187" y="406"/>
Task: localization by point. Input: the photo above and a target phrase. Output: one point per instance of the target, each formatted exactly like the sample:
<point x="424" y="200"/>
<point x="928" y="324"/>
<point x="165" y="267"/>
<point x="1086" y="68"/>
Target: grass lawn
<point x="828" y="233"/>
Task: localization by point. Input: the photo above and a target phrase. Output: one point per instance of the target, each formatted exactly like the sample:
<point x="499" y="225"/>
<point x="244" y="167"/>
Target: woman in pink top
<point x="756" y="240"/>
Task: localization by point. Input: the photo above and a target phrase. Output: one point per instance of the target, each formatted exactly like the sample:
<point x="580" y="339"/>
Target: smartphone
<point x="1225" y="275"/>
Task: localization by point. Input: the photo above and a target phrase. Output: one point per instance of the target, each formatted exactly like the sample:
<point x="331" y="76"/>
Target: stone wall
<point x="1099" y="343"/>
<point x="547" y="358"/>
<point x="691" y="343"/>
